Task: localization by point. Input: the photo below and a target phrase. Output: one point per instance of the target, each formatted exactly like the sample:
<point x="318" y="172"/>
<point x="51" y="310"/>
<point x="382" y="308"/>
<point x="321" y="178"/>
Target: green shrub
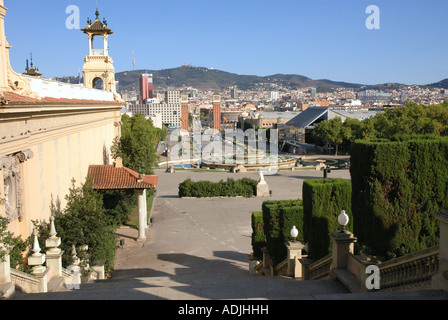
<point x="278" y="219"/>
<point x="14" y="245"/>
<point x="84" y="222"/>
<point x="323" y="201"/>
<point x="118" y="205"/>
<point x="258" y="237"/>
<point x="230" y="188"/>
<point x="396" y="186"/>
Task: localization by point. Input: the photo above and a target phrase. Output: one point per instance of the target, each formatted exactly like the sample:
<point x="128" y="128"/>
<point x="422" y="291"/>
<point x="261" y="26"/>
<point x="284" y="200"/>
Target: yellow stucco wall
<point x="60" y="155"/>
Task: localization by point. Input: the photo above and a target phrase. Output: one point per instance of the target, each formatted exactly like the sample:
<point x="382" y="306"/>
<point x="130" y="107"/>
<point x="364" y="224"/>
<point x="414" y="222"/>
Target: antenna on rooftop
<point x="133" y="60"/>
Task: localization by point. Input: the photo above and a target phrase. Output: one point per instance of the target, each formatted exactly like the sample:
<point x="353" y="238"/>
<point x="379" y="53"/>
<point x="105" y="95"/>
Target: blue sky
<point x="320" y="39"/>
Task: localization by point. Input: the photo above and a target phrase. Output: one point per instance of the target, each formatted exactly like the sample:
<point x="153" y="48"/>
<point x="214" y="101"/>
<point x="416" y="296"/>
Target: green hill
<point x="211" y="79"/>
<point x="441" y="84"/>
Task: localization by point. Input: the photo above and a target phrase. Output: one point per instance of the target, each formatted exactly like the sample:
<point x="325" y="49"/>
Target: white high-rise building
<point x="274" y="95"/>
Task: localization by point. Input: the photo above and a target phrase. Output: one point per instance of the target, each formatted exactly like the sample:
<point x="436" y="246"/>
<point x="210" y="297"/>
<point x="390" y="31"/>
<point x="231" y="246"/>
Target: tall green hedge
<point x="231" y="188"/>
<point x="396" y="186"/>
<point x="278" y="218"/>
<point x="258" y="237"/>
<point x="323" y="201"/>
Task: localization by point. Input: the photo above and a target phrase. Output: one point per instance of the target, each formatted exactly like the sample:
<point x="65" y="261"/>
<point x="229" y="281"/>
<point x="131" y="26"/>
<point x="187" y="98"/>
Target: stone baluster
<point x="36" y="261"/>
<point x="54" y="254"/>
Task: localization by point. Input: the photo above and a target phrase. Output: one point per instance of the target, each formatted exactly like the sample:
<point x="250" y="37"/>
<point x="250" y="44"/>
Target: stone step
<point x="242" y="288"/>
<point x="55" y="283"/>
<point x="348" y="280"/>
<point x="6" y="290"/>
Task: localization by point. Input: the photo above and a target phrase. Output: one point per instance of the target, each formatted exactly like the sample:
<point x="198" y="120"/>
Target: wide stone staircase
<point x="214" y="283"/>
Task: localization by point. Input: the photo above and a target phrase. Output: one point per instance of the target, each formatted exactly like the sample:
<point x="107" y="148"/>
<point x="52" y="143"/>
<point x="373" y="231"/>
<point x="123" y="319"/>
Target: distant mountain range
<point x="211" y="79"/>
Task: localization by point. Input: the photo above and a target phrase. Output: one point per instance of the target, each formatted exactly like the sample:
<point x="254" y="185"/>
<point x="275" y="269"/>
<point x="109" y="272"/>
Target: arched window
<point x="98" y="83"/>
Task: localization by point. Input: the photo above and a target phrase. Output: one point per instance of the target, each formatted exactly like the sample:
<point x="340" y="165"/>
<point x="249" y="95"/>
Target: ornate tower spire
<point x="98" y="67"/>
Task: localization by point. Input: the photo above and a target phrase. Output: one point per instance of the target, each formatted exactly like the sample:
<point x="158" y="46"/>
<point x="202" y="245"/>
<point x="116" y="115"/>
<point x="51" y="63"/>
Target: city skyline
<point x="318" y="39"/>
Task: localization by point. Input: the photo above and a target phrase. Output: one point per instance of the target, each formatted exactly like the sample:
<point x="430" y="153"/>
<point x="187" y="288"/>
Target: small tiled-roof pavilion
<point x="117" y="177"/>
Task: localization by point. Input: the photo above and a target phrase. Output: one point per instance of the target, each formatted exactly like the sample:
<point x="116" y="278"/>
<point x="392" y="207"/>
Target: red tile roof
<point x="16" y="99"/>
<point x="108" y="177"/>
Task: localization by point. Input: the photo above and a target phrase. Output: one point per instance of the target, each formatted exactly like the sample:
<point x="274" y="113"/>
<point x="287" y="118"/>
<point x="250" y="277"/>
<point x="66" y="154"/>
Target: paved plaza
<point x="198" y="248"/>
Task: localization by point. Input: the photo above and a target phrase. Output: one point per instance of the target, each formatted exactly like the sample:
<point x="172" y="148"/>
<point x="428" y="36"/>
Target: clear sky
<point x="320" y="39"/>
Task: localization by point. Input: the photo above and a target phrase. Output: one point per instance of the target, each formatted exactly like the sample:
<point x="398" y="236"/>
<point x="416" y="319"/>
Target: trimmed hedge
<point x="323" y="201"/>
<point x="231" y="188"/>
<point x="396" y="186"/>
<point x="258" y="237"/>
<point x="278" y="219"/>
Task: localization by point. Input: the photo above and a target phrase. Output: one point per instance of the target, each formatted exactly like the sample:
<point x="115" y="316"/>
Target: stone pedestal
<point x="73" y="282"/>
<point x="99" y="269"/>
<point x="343" y="244"/>
<point x="54" y="254"/>
<point x="440" y="281"/>
<point x="40" y="272"/>
<point x="294" y="254"/>
<point x="262" y="187"/>
<point x="37" y="259"/>
<point x="262" y="190"/>
<point x="54" y="263"/>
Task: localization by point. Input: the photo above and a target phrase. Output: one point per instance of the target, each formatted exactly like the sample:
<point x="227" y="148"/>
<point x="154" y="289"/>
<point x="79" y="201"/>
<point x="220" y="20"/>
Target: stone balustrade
<point x="425" y="269"/>
<point x="24" y="281"/>
<point x="414" y="270"/>
<point x="47" y="271"/>
<point x="318" y="269"/>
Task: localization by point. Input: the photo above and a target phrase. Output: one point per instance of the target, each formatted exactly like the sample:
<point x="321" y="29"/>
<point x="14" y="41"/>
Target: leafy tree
<point x="332" y="132"/>
<point x="118" y="205"/>
<point x="137" y="146"/>
<point x="411" y="119"/>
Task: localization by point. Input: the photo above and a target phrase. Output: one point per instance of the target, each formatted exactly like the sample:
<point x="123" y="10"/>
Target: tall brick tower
<point x="217" y="111"/>
<point x="184" y="112"/>
<point x="144" y="88"/>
